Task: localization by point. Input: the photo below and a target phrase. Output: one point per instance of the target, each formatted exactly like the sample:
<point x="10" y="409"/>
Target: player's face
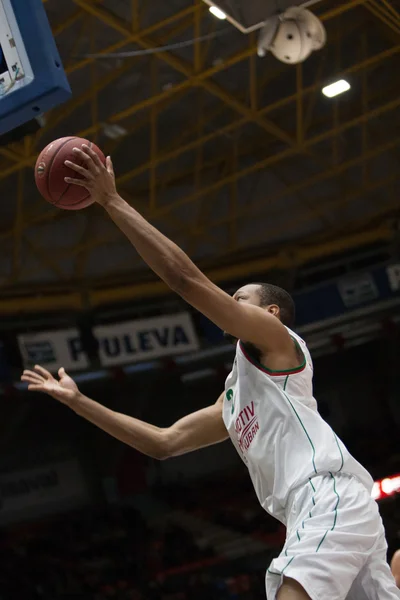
<point x="248" y="294"/>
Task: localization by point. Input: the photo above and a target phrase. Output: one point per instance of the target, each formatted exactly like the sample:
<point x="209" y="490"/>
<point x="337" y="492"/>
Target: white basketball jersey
<point x="273" y="421"/>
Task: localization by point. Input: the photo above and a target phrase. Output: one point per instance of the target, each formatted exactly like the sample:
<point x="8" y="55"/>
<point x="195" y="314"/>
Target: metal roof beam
<point x="76" y="301"/>
<point x="66" y="23"/>
<point x="66" y="110"/>
<point x="252" y="169"/>
<point x="365" y="64"/>
<point x="124" y="42"/>
<point x="289" y="152"/>
<point x="151" y="101"/>
<point x="334" y="171"/>
<point x="179" y="65"/>
<point x="386" y="16"/>
<point x="334" y="204"/>
<point x="262" y="206"/>
<point x="227" y="129"/>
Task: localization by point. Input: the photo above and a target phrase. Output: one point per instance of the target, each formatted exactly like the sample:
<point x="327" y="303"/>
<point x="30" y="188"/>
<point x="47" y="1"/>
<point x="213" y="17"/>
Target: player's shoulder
<point x="302" y="346"/>
<point x="395" y="566"/>
<point x="295" y="335"/>
<point x="396" y="559"/>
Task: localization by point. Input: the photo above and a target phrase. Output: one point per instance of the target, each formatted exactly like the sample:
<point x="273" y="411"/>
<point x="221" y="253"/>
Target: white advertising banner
<point x="42" y="491"/>
<point x="146" y="339"/>
<point x="119" y="343"/>
<point x="53" y="349"/>
<point x="357" y="289"/>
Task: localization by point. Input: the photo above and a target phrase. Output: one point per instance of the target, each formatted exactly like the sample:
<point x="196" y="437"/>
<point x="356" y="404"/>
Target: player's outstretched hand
<point x="97" y="178"/>
<point x="40" y="380"/>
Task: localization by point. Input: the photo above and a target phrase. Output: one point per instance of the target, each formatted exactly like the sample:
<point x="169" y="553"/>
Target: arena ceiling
<point x="239" y="160"/>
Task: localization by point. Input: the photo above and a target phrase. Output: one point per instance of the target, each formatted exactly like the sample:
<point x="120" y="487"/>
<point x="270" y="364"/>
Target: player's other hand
<point x="97" y="178"/>
<point x="63" y="389"/>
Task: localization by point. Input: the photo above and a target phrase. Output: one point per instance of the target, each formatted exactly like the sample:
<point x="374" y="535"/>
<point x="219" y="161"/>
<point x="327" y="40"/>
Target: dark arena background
<point x="258" y="176"/>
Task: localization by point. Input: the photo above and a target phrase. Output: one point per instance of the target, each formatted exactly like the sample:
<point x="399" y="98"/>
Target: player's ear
<point x="274" y="310"/>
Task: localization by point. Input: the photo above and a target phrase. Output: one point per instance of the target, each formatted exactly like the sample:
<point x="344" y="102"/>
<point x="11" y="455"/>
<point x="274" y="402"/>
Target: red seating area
<point x="112" y="553"/>
<point x="101" y="555"/>
<point x="229" y="501"/>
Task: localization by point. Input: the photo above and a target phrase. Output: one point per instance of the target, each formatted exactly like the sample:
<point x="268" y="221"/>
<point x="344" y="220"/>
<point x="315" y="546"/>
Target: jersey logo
<point x="229" y="397"/>
<point x="246" y="427"/>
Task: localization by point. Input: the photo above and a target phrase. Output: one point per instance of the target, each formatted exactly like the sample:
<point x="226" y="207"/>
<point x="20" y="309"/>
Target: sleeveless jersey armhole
<point x="271" y="372"/>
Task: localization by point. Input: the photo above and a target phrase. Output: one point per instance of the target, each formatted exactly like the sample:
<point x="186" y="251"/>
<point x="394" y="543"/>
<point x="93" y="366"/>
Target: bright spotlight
<point x="217" y="12"/>
<point x="334" y="89"/>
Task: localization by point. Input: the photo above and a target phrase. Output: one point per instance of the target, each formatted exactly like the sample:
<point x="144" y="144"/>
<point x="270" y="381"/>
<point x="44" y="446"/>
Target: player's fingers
<point x="43" y="372"/>
<point x="80" y="182"/>
<point x="78" y="168"/>
<point x="33" y="387"/>
<point x="32" y="375"/>
<point x="94" y="156"/>
<point x="31" y="379"/>
<point x="110" y="166"/>
<point x="34" y="380"/>
<point x="84" y="156"/>
<point x="90" y="163"/>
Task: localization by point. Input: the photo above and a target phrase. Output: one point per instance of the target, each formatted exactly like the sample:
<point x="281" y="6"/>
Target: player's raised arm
<point x="243" y="321"/>
<point x="197" y="430"/>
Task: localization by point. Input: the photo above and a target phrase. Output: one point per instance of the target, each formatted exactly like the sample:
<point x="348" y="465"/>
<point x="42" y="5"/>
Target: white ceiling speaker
<point x="292" y="36"/>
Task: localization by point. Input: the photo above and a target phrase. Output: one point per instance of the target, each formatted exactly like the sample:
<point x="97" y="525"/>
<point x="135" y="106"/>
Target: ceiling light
<point x="114" y="131"/>
<point x="339" y="87"/>
<point x="217" y="12"/>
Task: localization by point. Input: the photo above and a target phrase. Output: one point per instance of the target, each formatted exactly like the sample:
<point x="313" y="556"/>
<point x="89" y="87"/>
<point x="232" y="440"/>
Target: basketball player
<point x="302" y="473"/>
<point x="395" y="565"/>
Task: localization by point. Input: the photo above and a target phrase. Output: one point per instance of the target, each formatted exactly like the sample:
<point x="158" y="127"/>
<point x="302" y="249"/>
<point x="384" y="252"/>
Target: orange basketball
<point x="50" y="171"/>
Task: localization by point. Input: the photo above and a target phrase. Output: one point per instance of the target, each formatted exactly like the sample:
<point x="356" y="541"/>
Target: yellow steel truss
<point x="183" y="160"/>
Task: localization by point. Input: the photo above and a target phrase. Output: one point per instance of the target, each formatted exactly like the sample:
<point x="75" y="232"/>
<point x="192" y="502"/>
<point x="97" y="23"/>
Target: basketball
<point x="50" y="172"/>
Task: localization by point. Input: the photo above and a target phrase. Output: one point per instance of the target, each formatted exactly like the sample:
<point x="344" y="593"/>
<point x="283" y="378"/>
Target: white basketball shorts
<point x="335" y="544"/>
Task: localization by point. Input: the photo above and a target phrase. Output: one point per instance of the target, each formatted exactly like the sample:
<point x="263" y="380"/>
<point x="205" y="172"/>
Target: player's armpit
<point x="243" y="321"/>
<point x="202" y="428"/>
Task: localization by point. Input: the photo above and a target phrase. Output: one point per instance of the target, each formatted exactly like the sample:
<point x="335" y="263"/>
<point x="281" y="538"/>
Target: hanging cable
<point x="166" y="48"/>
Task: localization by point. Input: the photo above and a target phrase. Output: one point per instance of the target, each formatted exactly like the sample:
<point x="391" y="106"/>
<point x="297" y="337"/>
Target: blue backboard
<point x="32" y="78"/>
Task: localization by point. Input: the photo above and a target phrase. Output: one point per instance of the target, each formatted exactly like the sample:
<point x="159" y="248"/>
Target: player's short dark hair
<point x="272" y="294"/>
